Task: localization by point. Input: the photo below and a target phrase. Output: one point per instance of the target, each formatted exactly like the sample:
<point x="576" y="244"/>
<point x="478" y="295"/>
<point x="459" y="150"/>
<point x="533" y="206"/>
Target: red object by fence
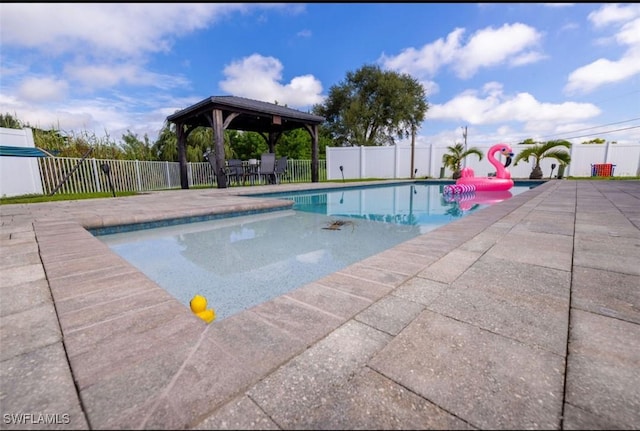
<point x="602" y="169"/>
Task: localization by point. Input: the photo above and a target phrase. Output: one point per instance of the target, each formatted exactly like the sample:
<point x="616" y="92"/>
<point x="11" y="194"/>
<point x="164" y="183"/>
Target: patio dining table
<point x="251" y="171"/>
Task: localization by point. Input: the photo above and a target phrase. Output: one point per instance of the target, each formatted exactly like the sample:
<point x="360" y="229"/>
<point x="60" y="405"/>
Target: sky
<point x="497" y="72"/>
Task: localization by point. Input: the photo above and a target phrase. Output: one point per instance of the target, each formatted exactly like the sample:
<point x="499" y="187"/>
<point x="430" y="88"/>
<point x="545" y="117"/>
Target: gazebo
<point x="238" y="113"/>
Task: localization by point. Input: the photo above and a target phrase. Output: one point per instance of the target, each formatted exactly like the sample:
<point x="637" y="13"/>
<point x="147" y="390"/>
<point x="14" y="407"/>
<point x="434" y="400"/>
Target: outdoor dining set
<point x="266" y="170"/>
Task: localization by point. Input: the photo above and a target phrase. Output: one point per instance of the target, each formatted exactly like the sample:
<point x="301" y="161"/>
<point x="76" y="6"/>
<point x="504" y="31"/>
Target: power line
<point x="594" y="127"/>
<point x="603" y="133"/>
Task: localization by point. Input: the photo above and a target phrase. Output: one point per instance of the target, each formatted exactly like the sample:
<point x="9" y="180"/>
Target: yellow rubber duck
<point x="198" y="305"/>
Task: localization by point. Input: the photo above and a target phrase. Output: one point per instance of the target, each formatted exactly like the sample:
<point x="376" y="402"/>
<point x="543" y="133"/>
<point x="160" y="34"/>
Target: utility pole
<point x="413" y="150"/>
<point x="464" y="135"/>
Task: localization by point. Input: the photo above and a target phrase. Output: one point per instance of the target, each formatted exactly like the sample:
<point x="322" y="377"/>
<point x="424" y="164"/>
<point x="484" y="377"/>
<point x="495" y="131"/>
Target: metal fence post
<point x="96" y="177"/>
<point x="138" y="175"/>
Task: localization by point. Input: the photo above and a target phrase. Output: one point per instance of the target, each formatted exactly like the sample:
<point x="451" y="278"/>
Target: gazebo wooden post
<point x="273" y="138"/>
<point x="313" y="131"/>
<point x="182" y="155"/>
<point x="218" y="140"/>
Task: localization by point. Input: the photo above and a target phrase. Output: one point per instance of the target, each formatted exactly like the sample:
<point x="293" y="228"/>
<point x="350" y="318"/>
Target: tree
<point x="453" y="159"/>
<point x="594" y="141"/>
<point x="246" y="145"/>
<point x="74" y="144"/>
<point x="135" y="149"/>
<point x="198" y="141"/>
<point x="543" y="150"/>
<point x="373" y="107"/>
<point x="296" y="144"/>
<point x="53" y="141"/>
<point x="165" y="148"/>
<point x="10" y="122"/>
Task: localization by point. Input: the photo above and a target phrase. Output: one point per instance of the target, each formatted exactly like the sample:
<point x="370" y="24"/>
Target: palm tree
<point x="543" y="150"/>
<point x="456" y="155"/>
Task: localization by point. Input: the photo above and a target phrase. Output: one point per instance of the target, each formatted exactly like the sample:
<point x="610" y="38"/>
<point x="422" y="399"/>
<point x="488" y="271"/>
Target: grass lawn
<point x="29" y="199"/>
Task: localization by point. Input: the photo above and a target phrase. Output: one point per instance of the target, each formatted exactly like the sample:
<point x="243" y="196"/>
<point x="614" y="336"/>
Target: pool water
<point x="239" y="262"/>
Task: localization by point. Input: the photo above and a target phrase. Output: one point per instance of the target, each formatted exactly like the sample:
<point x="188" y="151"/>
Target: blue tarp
<point x="6" y="150"/>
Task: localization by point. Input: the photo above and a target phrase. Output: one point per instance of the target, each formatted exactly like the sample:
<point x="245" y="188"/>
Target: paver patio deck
<point x="524" y="315"/>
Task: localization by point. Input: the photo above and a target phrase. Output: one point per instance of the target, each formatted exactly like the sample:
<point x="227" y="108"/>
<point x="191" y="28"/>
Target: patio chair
<point x="268" y="167"/>
<point x="251" y="171"/>
<point x="281" y="169"/>
<point x="235" y="171"/>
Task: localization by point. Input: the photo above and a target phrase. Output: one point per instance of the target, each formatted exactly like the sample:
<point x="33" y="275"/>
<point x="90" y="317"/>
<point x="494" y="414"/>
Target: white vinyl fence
<point x="140" y="176"/>
<point x="395" y="161"/>
<point x="30" y="176"/>
<point x="18" y="175"/>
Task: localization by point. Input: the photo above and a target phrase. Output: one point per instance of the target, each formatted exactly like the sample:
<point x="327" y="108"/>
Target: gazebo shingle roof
<point x="255" y="115"/>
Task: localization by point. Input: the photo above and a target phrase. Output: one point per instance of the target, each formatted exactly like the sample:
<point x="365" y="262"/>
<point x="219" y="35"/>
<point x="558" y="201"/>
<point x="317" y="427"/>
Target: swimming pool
<point x="420" y="204"/>
<point x="239" y="262"/>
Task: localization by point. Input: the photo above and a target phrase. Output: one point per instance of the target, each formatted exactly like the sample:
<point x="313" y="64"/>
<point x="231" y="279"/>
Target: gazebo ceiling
<point x="252" y="115"/>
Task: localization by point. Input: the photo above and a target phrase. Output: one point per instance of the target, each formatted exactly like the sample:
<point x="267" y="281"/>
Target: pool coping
<point x="138" y="359"/>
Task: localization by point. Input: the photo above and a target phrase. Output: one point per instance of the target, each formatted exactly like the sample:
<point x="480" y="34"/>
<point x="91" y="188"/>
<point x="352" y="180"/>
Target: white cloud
<point x="106" y="75"/>
<point x="630" y="34"/>
<point x="430" y="88"/>
<point x="103" y="49"/>
<point x="614" y="13"/>
<point x="43" y="117"/>
<point x="38" y="90"/>
<point x="527" y="58"/>
<point x="603" y="71"/>
<point x="105" y="29"/>
<point x="494" y="107"/>
<point x="512" y="44"/>
<point x="259" y="77"/>
<point x="428" y="60"/>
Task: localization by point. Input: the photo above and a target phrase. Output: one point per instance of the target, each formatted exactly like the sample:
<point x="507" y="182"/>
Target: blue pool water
<point x="239" y="262"/>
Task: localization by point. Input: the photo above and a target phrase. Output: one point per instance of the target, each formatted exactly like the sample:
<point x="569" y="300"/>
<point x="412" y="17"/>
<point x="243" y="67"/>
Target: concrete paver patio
<point x="524" y="315"/>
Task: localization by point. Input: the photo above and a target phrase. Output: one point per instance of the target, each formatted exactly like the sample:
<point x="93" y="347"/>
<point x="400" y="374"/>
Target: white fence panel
<point x="582" y="158"/>
<point x="624" y="165"/>
<point x="395" y="162"/>
<point x="421" y="162"/>
<point x="380" y="163"/>
<point x="18" y="175"/>
<point x="348" y="158"/>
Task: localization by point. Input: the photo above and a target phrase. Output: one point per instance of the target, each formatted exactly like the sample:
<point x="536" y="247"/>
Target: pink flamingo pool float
<point x="502" y="181"/>
<point x="468" y="200"/>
